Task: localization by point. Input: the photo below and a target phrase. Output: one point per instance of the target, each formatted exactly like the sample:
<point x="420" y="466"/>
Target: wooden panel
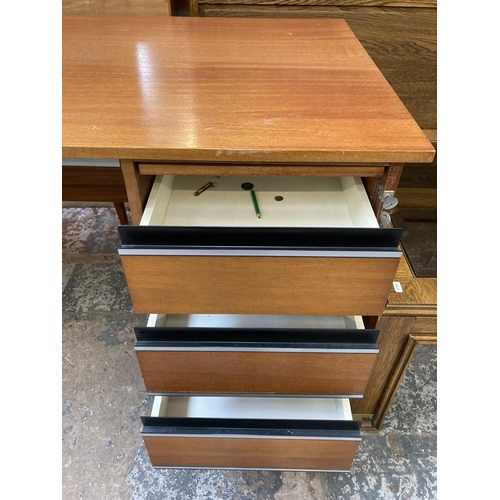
<point x="425" y="326"/>
<point x="250" y="453"/>
<point x="417" y="190"/>
<point x="259" y="285"/>
<point x="261" y="170"/>
<point x="418" y="292"/>
<point x="240" y="90"/>
<point x="93" y="184"/>
<point x="117" y="7"/>
<point x="401" y="41"/>
<point x="399" y="367"/>
<point x="259" y="372"/>
<point x="409" y="319"/>
<point x="417" y="198"/>
<point x="317" y="3"/>
<point x="393" y="336"/>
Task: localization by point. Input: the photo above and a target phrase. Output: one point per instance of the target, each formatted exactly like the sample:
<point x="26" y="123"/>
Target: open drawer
<point x="251" y="433"/>
<point x="318" y="250"/>
<point x="259" y="355"/>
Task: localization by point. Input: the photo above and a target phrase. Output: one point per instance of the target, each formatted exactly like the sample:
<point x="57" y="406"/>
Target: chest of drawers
<point x="256" y="340"/>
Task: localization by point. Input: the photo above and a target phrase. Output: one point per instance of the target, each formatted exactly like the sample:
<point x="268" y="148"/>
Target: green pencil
<point x="255" y="204"/>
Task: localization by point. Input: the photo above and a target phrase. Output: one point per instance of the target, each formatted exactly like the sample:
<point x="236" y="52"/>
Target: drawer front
<point x="276" y="441"/>
<point x="259" y="361"/>
<point x="259" y="285"/>
<point x="250" y="453"/>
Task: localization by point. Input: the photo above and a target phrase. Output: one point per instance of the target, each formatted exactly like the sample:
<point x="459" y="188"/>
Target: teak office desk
<point x="294" y="93"/>
<point x="239" y="97"/>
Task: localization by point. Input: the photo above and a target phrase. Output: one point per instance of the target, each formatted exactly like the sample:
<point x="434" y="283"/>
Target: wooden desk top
<point x="237" y="90"/>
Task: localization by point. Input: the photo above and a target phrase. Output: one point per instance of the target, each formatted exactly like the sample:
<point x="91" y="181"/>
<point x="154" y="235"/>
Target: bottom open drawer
<point x="251" y="433"/>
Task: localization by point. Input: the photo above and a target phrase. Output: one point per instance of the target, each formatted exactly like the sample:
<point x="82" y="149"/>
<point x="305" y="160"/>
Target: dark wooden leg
<point x="121" y="212"/>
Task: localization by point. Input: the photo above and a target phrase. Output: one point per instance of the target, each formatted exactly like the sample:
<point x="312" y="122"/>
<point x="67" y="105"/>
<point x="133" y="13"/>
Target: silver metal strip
<point x="256" y="349"/>
<point x="90" y="162"/>
<point x="249" y="468"/>
<point x="256" y="395"/>
<point x="250" y="436"/>
<point x="260" y="253"/>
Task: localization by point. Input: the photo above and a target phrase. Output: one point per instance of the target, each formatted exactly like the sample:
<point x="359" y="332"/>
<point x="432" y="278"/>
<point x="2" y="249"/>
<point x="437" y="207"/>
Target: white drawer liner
<point x="307" y="202"/>
<point x="254" y="321"/>
<point x="252" y="407"/>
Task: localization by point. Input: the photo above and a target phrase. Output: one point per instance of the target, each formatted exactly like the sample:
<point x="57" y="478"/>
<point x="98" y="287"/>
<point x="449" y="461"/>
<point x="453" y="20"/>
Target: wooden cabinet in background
<point x="409" y="320"/>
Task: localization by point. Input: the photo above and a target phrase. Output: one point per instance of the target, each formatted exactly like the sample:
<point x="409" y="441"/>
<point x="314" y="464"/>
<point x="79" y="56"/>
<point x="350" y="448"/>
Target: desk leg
<point x="138" y="188"/>
<point x="121" y="212"/>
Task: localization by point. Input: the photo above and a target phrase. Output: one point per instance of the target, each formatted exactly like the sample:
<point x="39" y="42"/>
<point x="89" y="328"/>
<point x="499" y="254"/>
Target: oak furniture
<point x="298" y="109"/>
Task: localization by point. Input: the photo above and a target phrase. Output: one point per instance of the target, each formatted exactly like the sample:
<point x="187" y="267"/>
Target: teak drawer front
<point x="260" y="361"/>
<point x="250" y="453"/>
<point x="253" y="443"/>
<point x="259" y="285"/>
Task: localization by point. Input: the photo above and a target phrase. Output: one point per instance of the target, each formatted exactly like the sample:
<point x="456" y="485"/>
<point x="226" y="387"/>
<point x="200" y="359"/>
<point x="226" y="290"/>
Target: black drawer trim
<point x="255" y="338"/>
<point x="326" y="429"/>
<point x="253" y="238"/>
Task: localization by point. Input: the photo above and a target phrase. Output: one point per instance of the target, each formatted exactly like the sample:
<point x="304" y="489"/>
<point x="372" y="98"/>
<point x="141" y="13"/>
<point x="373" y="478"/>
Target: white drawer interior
<point x="254" y="321"/>
<point x="307" y="202"/>
<point x="252" y="407"/>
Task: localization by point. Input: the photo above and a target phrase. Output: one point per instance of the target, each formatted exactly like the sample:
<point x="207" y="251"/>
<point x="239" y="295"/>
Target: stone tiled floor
<point x="104" y="396"/>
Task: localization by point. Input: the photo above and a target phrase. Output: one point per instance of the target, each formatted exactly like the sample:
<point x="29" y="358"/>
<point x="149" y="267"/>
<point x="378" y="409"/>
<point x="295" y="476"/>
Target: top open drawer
<point x="283" y="202"/>
<point x="211" y="253"/>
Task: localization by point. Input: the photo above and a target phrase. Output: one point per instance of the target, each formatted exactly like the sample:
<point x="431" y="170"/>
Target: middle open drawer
<point x="256" y="355"/>
<point x="317" y="248"/>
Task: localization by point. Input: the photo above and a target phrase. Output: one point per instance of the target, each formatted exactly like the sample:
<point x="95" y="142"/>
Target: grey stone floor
<point x="104" y="396"/>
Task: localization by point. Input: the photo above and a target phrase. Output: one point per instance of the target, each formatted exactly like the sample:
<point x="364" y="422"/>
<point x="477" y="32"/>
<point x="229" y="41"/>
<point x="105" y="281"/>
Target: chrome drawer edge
<point x="159" y="467"/>
<point x="255" y="349"/>
<point x="256" y="395"/>
<point x="249" y="436"/>
<point x="259" y="253"/>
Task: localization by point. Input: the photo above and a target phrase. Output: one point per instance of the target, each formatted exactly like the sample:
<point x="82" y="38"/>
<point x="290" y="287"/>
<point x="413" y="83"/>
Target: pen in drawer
<point x="255" y="204"/>
<point x="203" y="188"/>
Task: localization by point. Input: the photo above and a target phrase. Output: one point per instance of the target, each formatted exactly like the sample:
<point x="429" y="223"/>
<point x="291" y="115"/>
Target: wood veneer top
<point x="283" y="90"/>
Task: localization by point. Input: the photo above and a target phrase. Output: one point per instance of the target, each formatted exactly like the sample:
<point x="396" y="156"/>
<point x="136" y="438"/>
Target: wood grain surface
<point x="261" y="170"/>
<point x="237" y="90"/>
<point x="83" y="183"/>
<point x="259" y="285"/>
<point x="400" y="37"/>
<point x="338" y="3"/>
<point x="118" y="7"/>
<point x="409" y="319"/>
<point x="255" y="372"/>
<point x="250" y="453"/>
